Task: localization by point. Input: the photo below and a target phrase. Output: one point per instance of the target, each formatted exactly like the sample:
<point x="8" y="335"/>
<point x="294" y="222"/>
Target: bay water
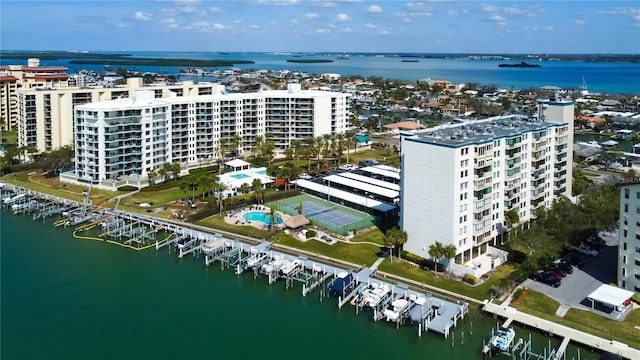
<point x="64" y="298"/>
<point x="605" y="77"/>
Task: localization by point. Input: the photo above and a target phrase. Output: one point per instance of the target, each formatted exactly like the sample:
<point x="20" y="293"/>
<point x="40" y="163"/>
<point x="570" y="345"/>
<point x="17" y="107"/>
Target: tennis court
<point x="325" y="214"/>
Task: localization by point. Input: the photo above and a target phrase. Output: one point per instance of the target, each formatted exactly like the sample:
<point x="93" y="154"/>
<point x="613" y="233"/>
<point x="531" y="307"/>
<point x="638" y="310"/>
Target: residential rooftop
<point x="479" y="131"/>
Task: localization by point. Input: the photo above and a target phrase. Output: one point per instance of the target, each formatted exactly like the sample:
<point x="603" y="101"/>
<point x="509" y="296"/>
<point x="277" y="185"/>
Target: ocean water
<point x="64" y="298"/>
<point x="609" y="77"/>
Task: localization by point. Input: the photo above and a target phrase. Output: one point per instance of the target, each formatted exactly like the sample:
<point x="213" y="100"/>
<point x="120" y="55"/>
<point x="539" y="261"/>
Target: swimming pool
<point x="261" y="216"/>
<point x="240" y="176"/>
<point x="262" y="172"/>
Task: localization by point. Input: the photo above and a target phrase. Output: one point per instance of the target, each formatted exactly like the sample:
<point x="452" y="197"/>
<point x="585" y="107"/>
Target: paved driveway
<point x="595" y="272"/>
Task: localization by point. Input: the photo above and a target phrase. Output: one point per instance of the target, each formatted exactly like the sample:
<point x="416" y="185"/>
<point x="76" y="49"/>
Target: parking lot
<point x="577" y="286"/>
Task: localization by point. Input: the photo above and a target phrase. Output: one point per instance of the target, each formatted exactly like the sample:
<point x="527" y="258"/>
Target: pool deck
<point x="236" y="217"/>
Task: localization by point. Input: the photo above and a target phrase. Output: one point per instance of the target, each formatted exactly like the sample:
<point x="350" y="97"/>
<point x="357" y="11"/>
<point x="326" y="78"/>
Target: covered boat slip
<point x="363" y="186"/>
<point x="383" y="171"/>
<point x="370" y="180"/>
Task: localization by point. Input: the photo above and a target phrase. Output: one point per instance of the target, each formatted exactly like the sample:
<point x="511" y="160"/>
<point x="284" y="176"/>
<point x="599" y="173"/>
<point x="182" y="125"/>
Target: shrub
<point x="163" y="185"/>
<point x="311" y="233"/>
<point x="278" y="195"/>
<point x="470" y="279"/>
<point x="127" y="188"/>
<point x="518" y="293"/>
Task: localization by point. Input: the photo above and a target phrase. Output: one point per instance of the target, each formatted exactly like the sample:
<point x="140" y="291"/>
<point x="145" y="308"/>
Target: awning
<point x="610" y="295"/>
<point x="236" y="163"/>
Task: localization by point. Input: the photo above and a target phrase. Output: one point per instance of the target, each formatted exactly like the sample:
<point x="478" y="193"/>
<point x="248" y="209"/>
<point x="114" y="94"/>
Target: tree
<point x="256" y="186"/>
<point x="175" y="169"/>
<point x="236" y="144"/>
<point x="449" y="252"/>
<point x="272" y="218"/>
<point x="152" y="176"/>
<point x="220" y="151"/>
<point x="257" y="146"/>
<point x="220" y="188"/>
<point x="163" y="173"/>
<point x="245" y="188"/>
<point x="395" y="238"/>
<point x="206" y="181"/>
<point x="192" y="183"/>
<point x="436" y="251"/>
<point x="350" y="142"/>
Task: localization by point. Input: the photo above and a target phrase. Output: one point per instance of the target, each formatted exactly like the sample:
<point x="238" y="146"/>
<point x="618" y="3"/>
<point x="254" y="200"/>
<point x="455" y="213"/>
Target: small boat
<point x="420" y="310"/>
<point x="376" y="295"/>
<point x="396" y="309"/>
<point x="502" y="339"/>
<point x="256" y="259"/>
<point x="290" y="267"/>
<point x="13" y="199"/>
<point x="212" y="246"/>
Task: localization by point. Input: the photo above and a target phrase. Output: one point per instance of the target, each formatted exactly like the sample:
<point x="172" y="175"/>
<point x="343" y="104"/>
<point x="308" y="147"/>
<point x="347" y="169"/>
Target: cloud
<point x="580" y="21"/>
<point x="371" y="26"/>
<point x="324" y="4"/>
<point x="142" y="16"/>
<point x="374" y="9"/>
<point x="384" y="32"/>
<point x="633" y="12"/>
<point x="452" y="13"/>
<point x="418" y="9"/>
<point x="215" y="10"/>
<point x="497" y="19"/>
<point x="342" y="17"/>
<point x="254" y="26"/>
<point x="91" y="19"/>
<point x="311" y="15"/>
<point x="347" y="30"/>
<point x="188" y="9"/>
<point x="171" y="23"/>
<point x="277" y="2"/>
<point x="322" y="31"/>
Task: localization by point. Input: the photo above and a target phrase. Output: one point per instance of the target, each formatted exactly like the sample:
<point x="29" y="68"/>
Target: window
<point x="624" y="247"/>
<point x="624" y="272"/>
<point x="624" y="233"/>
<point x="626" y="207"/>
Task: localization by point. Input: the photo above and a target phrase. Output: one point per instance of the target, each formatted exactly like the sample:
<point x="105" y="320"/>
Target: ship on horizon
<point x="522" y="64"/>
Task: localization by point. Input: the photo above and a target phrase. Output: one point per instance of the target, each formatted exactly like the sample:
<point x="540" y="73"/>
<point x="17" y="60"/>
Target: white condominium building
<point x="45" y="115"/>
<point x="132" y="136"/>
<point x="458" y="181"/>
<point x="629" y="234"/>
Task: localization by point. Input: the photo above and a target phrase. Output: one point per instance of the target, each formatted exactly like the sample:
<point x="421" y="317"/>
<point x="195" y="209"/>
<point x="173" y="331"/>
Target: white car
<point x="304" y="176"/>
<point x="586" y="250"/>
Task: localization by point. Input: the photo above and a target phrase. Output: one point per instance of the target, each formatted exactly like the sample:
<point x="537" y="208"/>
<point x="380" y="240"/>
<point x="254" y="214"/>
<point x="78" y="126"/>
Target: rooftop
<point x="479" y="132"/>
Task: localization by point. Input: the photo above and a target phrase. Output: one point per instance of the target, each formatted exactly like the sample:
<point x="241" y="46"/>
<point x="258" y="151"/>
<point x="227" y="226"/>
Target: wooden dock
<point x="565" y="332"/>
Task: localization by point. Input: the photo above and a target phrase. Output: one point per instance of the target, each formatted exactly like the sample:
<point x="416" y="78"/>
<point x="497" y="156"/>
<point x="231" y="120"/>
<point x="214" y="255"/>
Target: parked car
<point x="572" y="260"/>
<point x="586" y="250"/>
<point x="546" y="277"/>
<point x="304" y="176"/>
<point x="562" y="270"/>
<point x="595" y="242"/>
<point x="567" y="268"/>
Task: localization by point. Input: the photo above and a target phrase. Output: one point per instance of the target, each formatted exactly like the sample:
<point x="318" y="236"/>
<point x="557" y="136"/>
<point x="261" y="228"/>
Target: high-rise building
<point x="459" y="180"/>
<point x="629" y="235"/>
<point x="135" y="135"/>
<point x="45" y="115"/>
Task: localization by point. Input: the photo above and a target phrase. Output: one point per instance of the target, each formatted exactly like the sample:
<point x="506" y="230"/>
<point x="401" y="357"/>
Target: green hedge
<point x="127" y="188"/>
<point x="311" y="233"/>
<point x="470" y="279"/>
<point x="163" y="185"/>
<point x="279" y="195"/>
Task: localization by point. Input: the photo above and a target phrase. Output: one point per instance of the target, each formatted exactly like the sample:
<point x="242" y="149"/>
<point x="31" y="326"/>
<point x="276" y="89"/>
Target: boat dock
<point x="566" y="333"/>
<point x="394" y="302"/>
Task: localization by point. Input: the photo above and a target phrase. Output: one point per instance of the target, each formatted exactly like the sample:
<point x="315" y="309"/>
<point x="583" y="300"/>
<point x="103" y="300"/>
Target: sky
<point x="437" y="26"/>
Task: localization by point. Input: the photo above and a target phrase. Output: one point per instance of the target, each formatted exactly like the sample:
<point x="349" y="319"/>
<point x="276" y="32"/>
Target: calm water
<point x="600" y="77"/>
<point x="64" y="298"/>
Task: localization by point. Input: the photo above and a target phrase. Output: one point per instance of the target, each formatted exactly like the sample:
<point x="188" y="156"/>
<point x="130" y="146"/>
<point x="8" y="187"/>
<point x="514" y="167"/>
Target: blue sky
<point x="553" y="26"/>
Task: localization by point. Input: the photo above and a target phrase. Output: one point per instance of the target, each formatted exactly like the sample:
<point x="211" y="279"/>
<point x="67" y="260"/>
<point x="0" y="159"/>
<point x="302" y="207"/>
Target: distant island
<point x="160" y="62"/>
<point x="522" y="64"/>
<point x="409" y="60"/>
<point x="309" y="61"/>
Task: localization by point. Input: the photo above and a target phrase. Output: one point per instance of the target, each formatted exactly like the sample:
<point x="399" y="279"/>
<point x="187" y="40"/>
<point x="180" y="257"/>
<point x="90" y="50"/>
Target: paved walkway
<point x="377" y="263"/>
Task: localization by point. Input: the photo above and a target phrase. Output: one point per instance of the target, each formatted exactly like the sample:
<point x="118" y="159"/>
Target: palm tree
<point x="191" y="182"/>
<point x="268" y="150"/>
<point x="244" y="188"/>
<point x="436" y="251"/>
<point x="163" y="173"/>
<point x="395" y="238"/>
<point x="309" y="150"/>
<point x="272" y="218"/>
<point x="296" y="148"/>
<point x="220" y="151"/>
<point x="152" y="176"/>
<point x="256" y="186"/>
<point x="349" y="142"/>
<point x="175" y="169"/>
<point x="236" y="144"/>
<point x="449" y="252"/>
<point x="220" y="188"/>
<point x="207" y="181"/>
<point x="258" y="145"/>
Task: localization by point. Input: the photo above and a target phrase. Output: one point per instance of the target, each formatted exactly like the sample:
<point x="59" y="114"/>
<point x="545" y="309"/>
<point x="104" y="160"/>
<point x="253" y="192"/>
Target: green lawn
<point x="373" y="235"/>
<point x="157" y="197"/>
<point x="360" y="254"/>
<point x="540" y="305"/>
<point x="480" y="292"/>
